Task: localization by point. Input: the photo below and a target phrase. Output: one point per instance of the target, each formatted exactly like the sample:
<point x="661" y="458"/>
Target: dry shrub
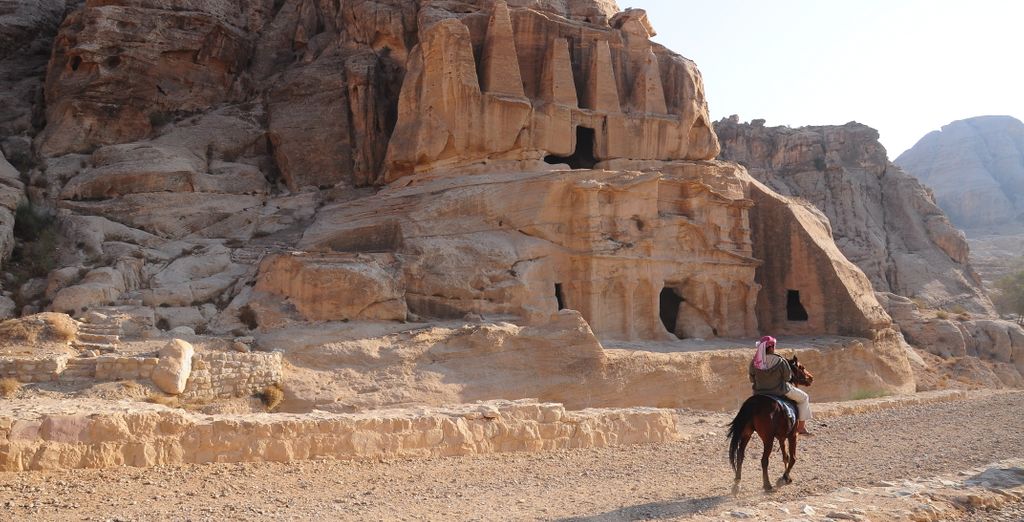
<point x="942" y="314"/>
<point x="44" y="327"/>
<point x="9" y="387"/>
<point x="272" y="396"/>
<point x="170" y="401"/>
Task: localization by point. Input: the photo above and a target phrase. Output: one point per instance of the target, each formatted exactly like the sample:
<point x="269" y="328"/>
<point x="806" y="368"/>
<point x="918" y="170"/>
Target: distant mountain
<point x="976" y="169"/>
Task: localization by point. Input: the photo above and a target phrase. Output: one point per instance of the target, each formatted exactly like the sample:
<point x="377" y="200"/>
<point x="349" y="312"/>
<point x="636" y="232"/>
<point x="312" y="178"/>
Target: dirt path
<point x="674" y="480"/>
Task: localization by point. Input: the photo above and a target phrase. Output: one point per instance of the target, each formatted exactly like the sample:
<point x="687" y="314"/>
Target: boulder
<point x="8" y="308"/>
<point x="11" y="194"/>
<point x="173" y="367"/>
<point x="326" y="287"/>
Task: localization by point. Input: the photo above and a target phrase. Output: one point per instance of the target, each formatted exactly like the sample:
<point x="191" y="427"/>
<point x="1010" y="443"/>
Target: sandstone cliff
<point x="976" y="169"/>
<point x="886" y="222"/>
<point x="256" y="166"/>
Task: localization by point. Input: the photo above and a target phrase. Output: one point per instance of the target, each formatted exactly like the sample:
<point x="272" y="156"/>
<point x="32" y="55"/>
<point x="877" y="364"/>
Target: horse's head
<point x="801" y="377"/>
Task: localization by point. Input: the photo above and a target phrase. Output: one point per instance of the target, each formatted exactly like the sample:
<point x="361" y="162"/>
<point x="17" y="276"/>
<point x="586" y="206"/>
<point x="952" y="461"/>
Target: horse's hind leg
<point x="785" y="460"/>
<point x="744" y="439"/>
<point x="792" y="458"/>
<point x="769" y="441"/>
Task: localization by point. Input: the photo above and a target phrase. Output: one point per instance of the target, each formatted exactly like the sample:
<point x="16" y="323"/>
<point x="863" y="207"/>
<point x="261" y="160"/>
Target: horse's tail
<point x="736" y="428"/>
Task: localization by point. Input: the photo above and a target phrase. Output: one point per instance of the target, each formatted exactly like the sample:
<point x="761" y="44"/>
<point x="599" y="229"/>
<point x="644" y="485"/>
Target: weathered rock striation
<point x="976" y="169"/>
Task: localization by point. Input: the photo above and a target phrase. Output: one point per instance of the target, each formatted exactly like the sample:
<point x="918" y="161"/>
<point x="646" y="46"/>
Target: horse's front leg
<point x="768" y="443"/>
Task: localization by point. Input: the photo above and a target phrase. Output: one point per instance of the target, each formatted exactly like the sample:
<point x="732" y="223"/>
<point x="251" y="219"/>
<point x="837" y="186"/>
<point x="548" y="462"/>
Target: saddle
<point x="788" y="406"/>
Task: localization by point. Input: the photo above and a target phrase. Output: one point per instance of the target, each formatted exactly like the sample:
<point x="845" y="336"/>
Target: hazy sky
<point x="904" y="67"/>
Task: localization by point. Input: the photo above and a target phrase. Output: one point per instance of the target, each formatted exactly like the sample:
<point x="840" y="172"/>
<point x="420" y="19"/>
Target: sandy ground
<point x="685" y="479"/>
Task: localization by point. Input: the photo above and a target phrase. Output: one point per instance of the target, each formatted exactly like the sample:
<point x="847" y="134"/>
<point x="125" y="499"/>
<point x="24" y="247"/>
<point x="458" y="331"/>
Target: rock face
<point x="344" y="368"/>
<point x="561" y="90"/>
<point x="237" y="166"/>
<point x="883" y="220"/>
<point x="976" y="169"/>
<point x="886" y="222"/>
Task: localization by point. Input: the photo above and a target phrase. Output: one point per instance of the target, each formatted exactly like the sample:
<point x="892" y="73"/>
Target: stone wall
<point x="114" y="368"/>
<point x="214" y="374"/>
<point x="229" y="374"/>
<point x="73" y="434"/>
<point x="32" y="369"/>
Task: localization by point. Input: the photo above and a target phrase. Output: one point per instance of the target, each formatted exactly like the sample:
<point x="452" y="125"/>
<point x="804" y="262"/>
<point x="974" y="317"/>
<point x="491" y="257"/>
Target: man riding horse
<point x="771" y="375"/>
<point x="765" y="414"/>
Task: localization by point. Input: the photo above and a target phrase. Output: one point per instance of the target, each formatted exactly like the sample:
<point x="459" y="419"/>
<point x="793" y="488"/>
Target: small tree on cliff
<point x="1011" y="295"/>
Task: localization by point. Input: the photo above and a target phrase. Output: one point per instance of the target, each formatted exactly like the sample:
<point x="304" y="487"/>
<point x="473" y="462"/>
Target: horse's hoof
<point x="768" y="488"/>
<point x="735" y="489"/>
<point x="783" y="481"/>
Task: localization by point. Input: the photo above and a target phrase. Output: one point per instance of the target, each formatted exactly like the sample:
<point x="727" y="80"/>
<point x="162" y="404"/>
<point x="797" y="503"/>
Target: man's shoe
<point x="801" y="429"/>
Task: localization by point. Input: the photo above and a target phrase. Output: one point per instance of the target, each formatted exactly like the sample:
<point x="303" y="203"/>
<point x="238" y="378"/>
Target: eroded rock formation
<point x="886" y="222"/>
<point x="883" y="219"/>
<point x="976" y="169"/>
<point x="230" y="167"/>
<point x="549" y="88"/>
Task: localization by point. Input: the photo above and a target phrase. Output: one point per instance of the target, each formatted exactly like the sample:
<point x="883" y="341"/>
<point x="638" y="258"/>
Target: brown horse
<point x="764" y="415"/>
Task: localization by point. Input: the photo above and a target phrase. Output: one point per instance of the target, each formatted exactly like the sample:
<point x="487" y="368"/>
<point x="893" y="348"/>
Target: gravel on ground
<point x="658" y="481"/>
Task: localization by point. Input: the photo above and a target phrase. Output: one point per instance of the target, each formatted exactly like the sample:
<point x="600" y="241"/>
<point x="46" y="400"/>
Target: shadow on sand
<point x="655" y="510"/>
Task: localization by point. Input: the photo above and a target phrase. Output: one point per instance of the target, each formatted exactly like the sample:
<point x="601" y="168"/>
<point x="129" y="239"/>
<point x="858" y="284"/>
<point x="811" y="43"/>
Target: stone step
<point x="112" y="330"/>
<point x="98" y="338"/>
<point x="99" y="347"/>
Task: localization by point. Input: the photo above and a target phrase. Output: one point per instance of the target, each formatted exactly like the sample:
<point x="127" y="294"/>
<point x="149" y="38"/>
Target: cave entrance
<point x="559" y="296"/>
<point x="795" y="311"/>
<point x="583" y="156"/>
<point x="668" y="308"/>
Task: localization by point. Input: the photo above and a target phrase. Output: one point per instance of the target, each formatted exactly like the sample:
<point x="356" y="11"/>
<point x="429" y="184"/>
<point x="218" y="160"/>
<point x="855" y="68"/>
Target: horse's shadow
<point x="655" y="510"/>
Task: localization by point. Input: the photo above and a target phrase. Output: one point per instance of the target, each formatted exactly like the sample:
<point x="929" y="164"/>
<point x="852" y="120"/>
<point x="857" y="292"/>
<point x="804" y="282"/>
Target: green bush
<point x="30" y="222"/>
<point x="868" y="394"/>
<point x="1010" y="296"/>
<point x="35" y="253"/>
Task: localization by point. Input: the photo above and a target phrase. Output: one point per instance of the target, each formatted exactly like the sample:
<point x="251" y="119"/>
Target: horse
<point x="764" y="415"/>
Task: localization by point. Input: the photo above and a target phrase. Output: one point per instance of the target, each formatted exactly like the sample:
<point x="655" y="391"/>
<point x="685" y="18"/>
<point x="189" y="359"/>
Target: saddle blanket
<point x="788" y="406"/>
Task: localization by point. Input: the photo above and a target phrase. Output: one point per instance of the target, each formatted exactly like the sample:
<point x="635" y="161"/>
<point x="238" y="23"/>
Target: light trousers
<point x="803" y="402"/>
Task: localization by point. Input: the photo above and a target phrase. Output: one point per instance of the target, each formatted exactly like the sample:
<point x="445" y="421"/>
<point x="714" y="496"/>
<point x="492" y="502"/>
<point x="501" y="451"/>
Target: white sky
<point x="904" y="67"/>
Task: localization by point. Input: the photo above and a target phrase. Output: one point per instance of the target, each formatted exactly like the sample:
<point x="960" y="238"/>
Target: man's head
<point x="769" y="344"/>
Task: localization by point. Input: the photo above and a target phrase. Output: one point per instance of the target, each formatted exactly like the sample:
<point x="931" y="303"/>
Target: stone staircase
<point x="253" y="254"/>
<point x="98" y="331"/>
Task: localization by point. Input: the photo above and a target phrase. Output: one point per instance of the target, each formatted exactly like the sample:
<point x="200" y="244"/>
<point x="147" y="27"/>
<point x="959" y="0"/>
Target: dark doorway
<point x="559" y="296"/>
<point x="794" y="310"/>
<point x="583" y="156"/>
<point x="668" y="309"/>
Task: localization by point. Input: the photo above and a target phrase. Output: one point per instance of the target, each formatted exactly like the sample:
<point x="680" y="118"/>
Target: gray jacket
<point x="774" y="380"/>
